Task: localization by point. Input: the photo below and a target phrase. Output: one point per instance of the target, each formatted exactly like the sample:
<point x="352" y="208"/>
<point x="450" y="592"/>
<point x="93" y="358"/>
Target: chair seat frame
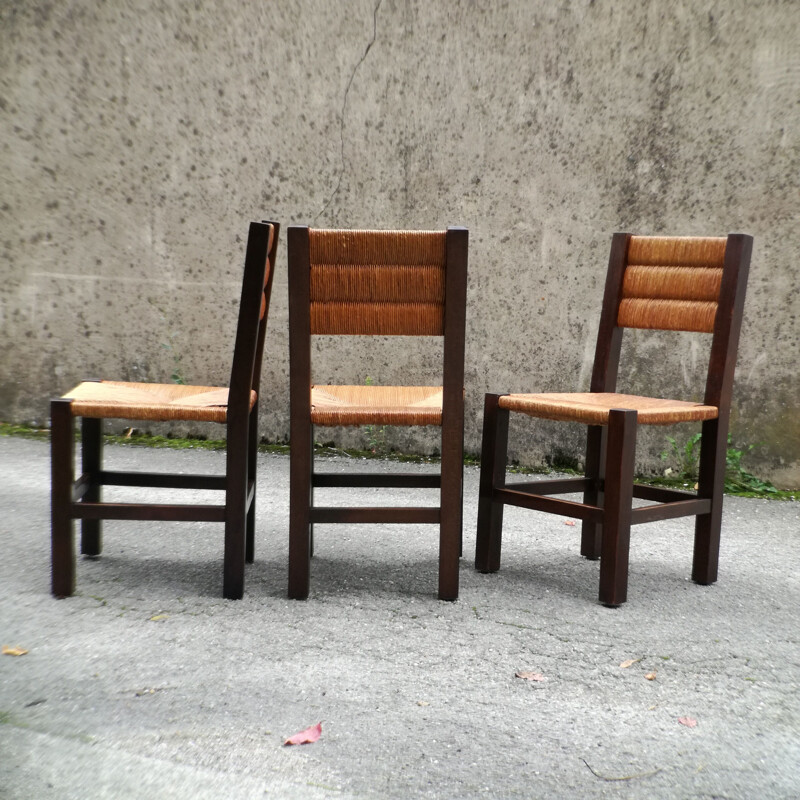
<point x="81" y="498"/>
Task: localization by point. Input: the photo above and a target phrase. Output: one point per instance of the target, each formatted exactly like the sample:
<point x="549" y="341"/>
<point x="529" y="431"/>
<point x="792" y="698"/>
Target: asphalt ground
<point x="147" y="683"/>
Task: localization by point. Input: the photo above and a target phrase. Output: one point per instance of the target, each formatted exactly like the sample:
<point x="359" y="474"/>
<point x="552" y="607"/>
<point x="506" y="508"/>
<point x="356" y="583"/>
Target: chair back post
<point x="247" y="331"/>
<point x="609" y="334"/>
<point x="262" y="327"/>
<point x="297" y="242"/>
<point x="455" y="323"/>
<point x="728" y="323"/>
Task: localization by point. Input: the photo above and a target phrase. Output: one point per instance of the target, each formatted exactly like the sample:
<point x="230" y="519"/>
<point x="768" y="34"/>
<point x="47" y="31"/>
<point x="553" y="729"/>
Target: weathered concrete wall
<point x="138" y="139"/>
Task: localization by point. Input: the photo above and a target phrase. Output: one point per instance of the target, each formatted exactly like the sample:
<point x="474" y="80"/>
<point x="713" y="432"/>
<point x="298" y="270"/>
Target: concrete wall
<point x="137" y="139"/>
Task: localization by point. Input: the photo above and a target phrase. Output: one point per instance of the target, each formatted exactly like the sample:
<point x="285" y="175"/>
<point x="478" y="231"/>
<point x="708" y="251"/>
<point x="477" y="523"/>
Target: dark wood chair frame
<point x="303" y="478"/>
<point x="608" y="487"/>
<point x="82" y="498"/>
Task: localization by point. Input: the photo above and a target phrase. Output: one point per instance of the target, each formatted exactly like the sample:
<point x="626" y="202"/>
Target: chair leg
<point x="592" y="532"/>
<point x="711" y="484"/>
<point x="301" y="461"/>
<point x="62" y="446"/>
<point x="494" y="450"/>
<point x="252" y="456"/>
<point x="91" y="464"/>
<point x="618" y="499"/>
<point x="451" y="505"/>
<point x="235" y="510"/>
<point x="311" y="503"/>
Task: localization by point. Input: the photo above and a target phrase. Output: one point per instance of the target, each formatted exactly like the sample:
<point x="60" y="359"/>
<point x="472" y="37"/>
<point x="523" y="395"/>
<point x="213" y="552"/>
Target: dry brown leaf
<point x="530" y="676"/>
<point x="651" y="676"/>
<point x="308" y="736"/>
<point x="13" y="651"/>
<point x="689" y="722"/>
<point x="630" y="662"/>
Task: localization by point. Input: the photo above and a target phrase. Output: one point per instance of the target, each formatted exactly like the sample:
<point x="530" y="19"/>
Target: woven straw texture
<point x="151" y="401"/>
<point x="672" y="283"/>
<point x="376" y="405"/>
<point x="377" y="282"/>
<point x="592" y="408"/>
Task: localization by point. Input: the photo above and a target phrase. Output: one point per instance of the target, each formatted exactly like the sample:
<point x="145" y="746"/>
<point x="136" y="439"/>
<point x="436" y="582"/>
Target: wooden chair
<point x="236" y="408"/>
<point x="376" y="283"/>
<point x="665" y="283"/>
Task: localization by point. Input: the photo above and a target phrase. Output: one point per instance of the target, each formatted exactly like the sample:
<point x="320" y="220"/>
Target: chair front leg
<point x="710" y="484"/>
<point x="592" y="532"/>
<point x="618" y="499"/>
<point x="91" y="464"/>
<point x="301" y="465"/>
<point x="252" y="456"/>
<point x="62" y="454"/>
<point x="494" y="453"/>
<point x="235" y="509"/>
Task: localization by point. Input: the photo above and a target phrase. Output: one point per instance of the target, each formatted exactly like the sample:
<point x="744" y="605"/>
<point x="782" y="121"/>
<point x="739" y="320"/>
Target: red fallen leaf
<point x="689" y="722"/>
<point x="529" y="676"/>
<point x="570" y="522"/>
<point x="308" y="736"/>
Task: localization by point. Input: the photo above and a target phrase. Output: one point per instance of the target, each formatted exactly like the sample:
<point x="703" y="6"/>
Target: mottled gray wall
<point x="137" y="139"/>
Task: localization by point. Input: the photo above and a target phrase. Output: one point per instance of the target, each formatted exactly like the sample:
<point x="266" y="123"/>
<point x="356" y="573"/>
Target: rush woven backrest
<point x="672" y="283"/>
<point x="235" y="406"/>
<point x="676" y="283"/>
<point x="377" y="282"/>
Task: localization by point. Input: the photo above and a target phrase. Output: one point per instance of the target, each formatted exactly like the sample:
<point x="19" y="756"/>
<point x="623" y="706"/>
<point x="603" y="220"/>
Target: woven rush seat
<point x="150" y="401"/>
<point x="380" y="405"/>
<point x="593" y="408"/>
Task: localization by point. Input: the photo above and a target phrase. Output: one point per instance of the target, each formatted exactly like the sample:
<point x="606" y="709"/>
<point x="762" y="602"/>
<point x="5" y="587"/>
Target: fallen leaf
<point x="159" y="617"/>
<point x="423" y="703"/>
<point x="630" y="662"/>
<point x="651" y="676"/>
<point x="308" y="736"/>
<point x="13" y="651"/>
<point x="689" y="722"/>
<point x="530" y="676"/>
<point x="570" y="522"/>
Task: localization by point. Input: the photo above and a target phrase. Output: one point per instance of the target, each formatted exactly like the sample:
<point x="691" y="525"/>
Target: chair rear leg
<point x="62" y="449"/>
<point x="252" y="456"/>
<point x="235" y="511"/>
<point x="618" y="499"/>
<point x="451" y="505"/>
<point x="494" y="450"/>
<point x="91" y="464"/>
<point x="711" y="484"/>
<point x="300" y="471"/>
<point x="592" y="532"/>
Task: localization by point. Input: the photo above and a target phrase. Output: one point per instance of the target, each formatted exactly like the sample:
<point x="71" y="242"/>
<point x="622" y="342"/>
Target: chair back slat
<point x="377" y="282"/>
<point x="672" y="283"/>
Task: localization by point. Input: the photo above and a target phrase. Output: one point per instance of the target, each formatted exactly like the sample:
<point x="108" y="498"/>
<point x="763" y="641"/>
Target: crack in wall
<point x="344" y="109"/>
